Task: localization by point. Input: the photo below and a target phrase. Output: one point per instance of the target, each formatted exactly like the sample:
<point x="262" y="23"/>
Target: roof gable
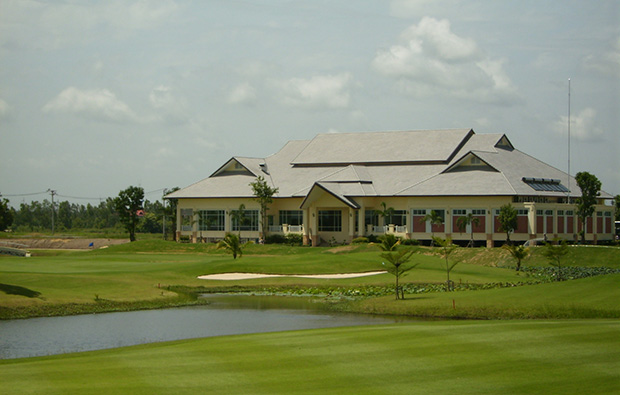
<point x="470" y="161"/>
<point x="233" y="167"/>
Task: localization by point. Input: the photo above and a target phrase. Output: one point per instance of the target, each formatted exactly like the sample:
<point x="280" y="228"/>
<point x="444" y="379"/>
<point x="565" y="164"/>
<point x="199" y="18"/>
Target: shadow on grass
<point x="17" y="290"/>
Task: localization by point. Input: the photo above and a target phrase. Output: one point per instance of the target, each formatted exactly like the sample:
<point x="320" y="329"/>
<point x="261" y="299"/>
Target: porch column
<point x="361" y="217"/>
<point x="489" y="223"/>
<point x="314" y="226"/>
<point x="351" y="224"/>
<point x="306" y="227"/>
<point x="531" y="219"/>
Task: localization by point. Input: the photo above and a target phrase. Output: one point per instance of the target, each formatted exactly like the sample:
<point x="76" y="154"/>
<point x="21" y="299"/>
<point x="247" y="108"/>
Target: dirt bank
<point x="61" y="243"/>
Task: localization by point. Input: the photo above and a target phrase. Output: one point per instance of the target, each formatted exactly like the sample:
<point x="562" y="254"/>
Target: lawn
<point x="516" y="357"/>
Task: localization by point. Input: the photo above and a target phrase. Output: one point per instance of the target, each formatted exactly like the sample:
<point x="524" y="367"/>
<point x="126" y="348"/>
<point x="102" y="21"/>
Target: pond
<point x="225" y="315"/>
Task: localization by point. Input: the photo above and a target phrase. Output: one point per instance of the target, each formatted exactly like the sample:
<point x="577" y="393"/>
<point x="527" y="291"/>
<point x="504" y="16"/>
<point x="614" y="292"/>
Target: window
<point x="330" y="221"/>
<point x="187" y="215"/>
<point x="399" y="218"/>
<point x="291" y="217"/>
<point x="371" y="218"/>
<point x="478" y="212"/>
<point x="459" y="212"/>
<point x="418" y="212"/>
<point x="250" y="222"/>
<point x="522" y="212"/>
<point x="211" y="220"/>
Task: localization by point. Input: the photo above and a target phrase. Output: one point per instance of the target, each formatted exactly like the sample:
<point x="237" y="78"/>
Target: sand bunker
<point x="249" y="276"/>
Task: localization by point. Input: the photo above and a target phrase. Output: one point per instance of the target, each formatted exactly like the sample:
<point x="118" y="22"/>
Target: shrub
<point x="410" y="242"/>
<point x="294" y="239"/>
<point x="360" y="240"/>
<point x="275" y="239"/>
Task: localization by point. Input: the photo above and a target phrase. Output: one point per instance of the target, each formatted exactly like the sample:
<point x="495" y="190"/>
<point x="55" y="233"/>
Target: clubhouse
<point x="331" y="189"/>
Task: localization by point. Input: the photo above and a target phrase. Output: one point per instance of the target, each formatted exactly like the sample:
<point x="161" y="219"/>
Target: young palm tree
<point x="232" y="244"/>
<point x="462" y="223"/>
<point x="518" y="252"/>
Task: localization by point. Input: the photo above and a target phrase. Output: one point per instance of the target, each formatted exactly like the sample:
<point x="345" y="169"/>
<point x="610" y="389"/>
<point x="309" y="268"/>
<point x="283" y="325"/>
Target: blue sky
<point x="97" y="96"/>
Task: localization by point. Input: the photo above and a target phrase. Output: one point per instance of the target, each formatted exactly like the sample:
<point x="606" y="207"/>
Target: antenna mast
<point x="568" y="199"/>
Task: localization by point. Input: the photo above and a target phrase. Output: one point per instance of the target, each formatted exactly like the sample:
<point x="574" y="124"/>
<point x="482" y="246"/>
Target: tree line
<point x="62" y="216"/>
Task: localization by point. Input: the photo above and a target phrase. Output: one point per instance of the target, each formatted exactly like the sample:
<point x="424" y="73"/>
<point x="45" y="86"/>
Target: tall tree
<point x="6" y="215"/>
<point x="238" y="217"/>
<point x="617" y="204"/>
<point x="466" y="220"/>
<point x="397" y="268"/>
<point x="127" y="204"/>
<point x="263" y="194"/>
<point x="507" y="220"/>
<point x="590" y="189"/>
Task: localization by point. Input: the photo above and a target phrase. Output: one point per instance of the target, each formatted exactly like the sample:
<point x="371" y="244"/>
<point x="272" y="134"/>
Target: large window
<point x="211" y="220"/>
<point x="186" y="219"/>
<point x="371" y="217"/>
<point x="248" y="222"/>
<point x="330" y="221"/>
<point x="291" y="217"/>
<point x="399" y="218"/>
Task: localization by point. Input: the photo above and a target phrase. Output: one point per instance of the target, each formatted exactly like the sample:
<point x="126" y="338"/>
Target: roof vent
<point x="263" y="167"/>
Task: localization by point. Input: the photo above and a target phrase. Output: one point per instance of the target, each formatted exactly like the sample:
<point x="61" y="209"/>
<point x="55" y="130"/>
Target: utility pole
<point x="164" y="203"/>
<point x="52" y="192"/>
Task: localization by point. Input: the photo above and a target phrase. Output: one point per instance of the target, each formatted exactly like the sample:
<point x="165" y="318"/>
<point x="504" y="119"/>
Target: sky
<point x="97" y="96"/>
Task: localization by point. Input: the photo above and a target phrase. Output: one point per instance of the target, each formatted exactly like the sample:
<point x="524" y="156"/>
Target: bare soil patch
<point x="61" y="243"/>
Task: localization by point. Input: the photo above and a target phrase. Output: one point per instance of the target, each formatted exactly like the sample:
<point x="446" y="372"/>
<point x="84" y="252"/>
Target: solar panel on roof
<point x="545" y="184"/>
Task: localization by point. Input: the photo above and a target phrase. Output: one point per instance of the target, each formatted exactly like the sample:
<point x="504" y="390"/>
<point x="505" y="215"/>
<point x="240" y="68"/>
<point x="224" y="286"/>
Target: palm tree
<point x="518" y="252"/>
<point x="386" y="212"/>
<point x="462" y="223"/>
<point x="232" y="244"/>
<point x="435" y="219"/>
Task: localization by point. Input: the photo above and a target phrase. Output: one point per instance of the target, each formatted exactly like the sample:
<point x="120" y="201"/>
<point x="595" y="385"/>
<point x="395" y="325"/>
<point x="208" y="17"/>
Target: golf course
<point x="499" y="330"/>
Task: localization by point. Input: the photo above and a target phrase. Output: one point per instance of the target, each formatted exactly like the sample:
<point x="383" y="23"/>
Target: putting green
<point x="573" y="356"/>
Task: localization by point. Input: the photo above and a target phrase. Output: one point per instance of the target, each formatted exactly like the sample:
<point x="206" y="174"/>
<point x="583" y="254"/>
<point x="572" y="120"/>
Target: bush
<point x="275" y="239"/>
<point x="360" y="240"/>
<point x="294" y="239"/>
<point x="410" y="242"/>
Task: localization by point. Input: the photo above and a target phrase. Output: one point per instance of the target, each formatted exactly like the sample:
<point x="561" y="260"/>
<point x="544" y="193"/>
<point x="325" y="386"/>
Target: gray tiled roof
<point x="413" y="163"/>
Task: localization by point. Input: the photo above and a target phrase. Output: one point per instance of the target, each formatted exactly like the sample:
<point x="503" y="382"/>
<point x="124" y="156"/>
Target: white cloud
<point x="583" y="126"/>
<point x="607" y="62"/>
<point x="168" y="105"/>
<point x="242" y="94"/>
<point x="4" y="109"/>
<point x="323" y="91"/>
<point x="98" y="104"/>
<point x="431" y="60"/>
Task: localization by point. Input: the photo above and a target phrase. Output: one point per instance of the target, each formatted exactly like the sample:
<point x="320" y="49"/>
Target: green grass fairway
<point x="462" y="357"/>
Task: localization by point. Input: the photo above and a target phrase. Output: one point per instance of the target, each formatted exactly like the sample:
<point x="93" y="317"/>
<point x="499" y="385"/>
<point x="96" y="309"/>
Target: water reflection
<point x="226" y="315"/>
